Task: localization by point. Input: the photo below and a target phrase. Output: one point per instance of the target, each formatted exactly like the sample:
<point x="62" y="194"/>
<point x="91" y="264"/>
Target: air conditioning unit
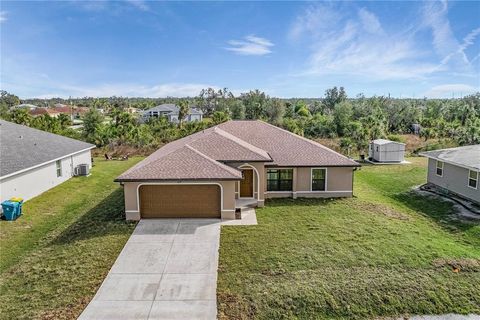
<point x="82" y="170"/>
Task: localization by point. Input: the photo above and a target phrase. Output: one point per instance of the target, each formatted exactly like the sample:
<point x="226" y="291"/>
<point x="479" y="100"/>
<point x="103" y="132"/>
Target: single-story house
<point x="41" y="111"/>
<point x="73" y="111"/>
<point x="170" y="111"/>
<point x="213" y="172"/>
<point x="382" y="150"/>
<point x="33" y="161"/>
<point x="456" y="170"/>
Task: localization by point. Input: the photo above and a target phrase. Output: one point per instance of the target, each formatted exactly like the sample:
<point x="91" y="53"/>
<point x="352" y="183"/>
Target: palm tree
<point x="184" y="108"/>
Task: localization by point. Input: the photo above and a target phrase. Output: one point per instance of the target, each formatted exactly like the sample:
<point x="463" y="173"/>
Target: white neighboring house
<point x="170" y="111"/>
<point x="456" y="170"/>
<point x="33" y="161"/>
<point x="382" y="150"/>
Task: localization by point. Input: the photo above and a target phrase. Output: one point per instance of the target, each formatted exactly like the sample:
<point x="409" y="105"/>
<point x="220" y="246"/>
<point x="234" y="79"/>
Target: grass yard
<point x="385" y="252"/>
<point x="56" y="255"/>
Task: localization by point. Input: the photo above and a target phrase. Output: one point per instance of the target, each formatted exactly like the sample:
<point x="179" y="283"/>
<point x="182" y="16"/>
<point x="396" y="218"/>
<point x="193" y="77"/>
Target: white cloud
<point x="251" y="45"/>
<point x="370" y="21"/>
<point x="356" y="44"/>
<point x="450" y="90"/>
<point x="315" y="19"/>
<point x="3" y="16"/>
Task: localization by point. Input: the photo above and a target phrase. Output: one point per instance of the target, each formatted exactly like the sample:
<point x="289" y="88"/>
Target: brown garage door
<point x="180" y="201"/>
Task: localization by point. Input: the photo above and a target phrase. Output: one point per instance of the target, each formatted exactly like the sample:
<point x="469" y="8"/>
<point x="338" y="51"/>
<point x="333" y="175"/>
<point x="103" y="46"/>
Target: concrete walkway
<point x="167" y="270"/>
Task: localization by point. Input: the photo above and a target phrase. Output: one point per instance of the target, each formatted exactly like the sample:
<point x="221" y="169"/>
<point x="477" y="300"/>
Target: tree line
<point x="355" y="121"/>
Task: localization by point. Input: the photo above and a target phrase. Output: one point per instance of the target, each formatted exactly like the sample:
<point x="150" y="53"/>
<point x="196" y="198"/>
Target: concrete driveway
<point x="167" y="270"/>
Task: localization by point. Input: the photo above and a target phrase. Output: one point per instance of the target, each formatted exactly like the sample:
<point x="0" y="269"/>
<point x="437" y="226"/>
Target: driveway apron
<point x="167" y="270"/>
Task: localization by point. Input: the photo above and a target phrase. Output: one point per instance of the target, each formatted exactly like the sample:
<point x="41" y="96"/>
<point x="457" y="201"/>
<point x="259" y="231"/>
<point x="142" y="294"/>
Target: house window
<point x="319" y="179"/>
<point x="473" y="179"/>
<point x="279" y="179"/>
<point x="58" y="164"/>
<point x="439" y="168"/>
<point x="377" y="148"/>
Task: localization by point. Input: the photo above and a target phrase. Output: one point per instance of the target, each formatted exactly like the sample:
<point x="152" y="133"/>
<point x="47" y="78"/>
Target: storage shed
<point x="382" y="150"/>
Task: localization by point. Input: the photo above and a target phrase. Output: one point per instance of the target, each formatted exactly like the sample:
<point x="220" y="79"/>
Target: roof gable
<point x="185" y="163"/>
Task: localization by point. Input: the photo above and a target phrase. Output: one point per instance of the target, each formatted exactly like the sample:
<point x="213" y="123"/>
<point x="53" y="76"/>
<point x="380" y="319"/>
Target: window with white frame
<point x="58" y="164"/>
<point x="319" y="179"/>
<point x="439" y="169"/>
<point x="473" y="179"/>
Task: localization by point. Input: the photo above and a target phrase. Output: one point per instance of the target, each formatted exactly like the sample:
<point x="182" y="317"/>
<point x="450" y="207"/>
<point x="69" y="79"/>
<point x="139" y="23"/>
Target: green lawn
<point x="56" y="255"/>
<point x="381" y="253"/>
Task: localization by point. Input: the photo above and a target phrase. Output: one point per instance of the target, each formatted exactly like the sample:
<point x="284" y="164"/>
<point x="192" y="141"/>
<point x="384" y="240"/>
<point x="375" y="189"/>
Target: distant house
<point x="456" y="170"/>
<point x="382" y="150"/>
<point x="41" y="111"/>
<point x="170" y="111"/>
<point x="33" y="161"/>
<point x="73" y="111"/>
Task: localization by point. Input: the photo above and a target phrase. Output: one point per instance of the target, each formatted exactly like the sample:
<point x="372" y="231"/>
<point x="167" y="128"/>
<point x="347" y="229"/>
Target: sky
<point x="287" y="49"/>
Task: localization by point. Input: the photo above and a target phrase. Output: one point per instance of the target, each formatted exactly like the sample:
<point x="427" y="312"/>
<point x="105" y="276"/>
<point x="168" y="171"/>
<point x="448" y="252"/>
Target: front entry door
<point x="246" y="184"/>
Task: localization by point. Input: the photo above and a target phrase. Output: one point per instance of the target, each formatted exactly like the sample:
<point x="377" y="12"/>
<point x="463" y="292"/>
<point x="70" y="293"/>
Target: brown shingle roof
<point x="200" y="155"/>
<point x="285" y="148"/>
<point x="185" y="163"/>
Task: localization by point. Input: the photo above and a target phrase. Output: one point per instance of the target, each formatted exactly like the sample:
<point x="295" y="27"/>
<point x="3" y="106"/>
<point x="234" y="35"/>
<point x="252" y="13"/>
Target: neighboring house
<point x="456" y="170"/>
<point x="33" y="161"/>
<point x="170" y="111"/>
<point x="73" y="111"/>
<point x="381" y="150"/>
<point x="41" y="111"/>
<point x="214" y="171"/>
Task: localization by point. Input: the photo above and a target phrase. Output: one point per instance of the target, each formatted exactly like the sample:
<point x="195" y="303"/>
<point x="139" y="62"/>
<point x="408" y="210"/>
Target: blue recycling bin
<point x="10" y="210"/>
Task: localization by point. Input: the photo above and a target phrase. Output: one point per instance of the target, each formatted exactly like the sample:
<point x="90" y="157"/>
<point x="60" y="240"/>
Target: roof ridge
<point x="218" y="163"/>
<point x="242" y="142"/>
<point x="308" y="140"/>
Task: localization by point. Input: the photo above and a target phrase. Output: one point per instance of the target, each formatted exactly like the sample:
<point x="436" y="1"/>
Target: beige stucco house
<point x="236" y="163"/>
<point x="456" y="170"/>
<point x="33" y="161"/>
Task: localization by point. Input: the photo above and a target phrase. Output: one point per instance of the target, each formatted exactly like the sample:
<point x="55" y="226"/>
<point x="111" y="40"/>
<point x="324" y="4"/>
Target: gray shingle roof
<point x="241" y="141"/>
<point x="172" y="108"/>
<point x="22" y="147"/>
<point x="467" y="156"/>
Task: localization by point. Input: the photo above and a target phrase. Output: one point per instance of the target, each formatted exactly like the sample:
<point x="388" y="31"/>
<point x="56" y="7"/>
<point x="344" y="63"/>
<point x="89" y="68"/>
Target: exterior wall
<point x="194" y="117"/>
<point x="454" y="179"/>
<point x="339" y="184"/>
<point x="34" y="182"/>
<point x="132" y="212"/>
<point x="390" y="152"/>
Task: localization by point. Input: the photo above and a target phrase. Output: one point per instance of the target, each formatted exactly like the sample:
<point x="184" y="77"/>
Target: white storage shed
<point x="382" y="150"/>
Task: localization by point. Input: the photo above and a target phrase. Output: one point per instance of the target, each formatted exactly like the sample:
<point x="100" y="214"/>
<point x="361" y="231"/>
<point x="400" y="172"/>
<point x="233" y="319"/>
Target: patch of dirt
<point x="232" y="306"/>
<point x="460" y="211"/>
<point x="458" y="265"/>
<point x="71" y="311"/>
<point x="380" y="208"/>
